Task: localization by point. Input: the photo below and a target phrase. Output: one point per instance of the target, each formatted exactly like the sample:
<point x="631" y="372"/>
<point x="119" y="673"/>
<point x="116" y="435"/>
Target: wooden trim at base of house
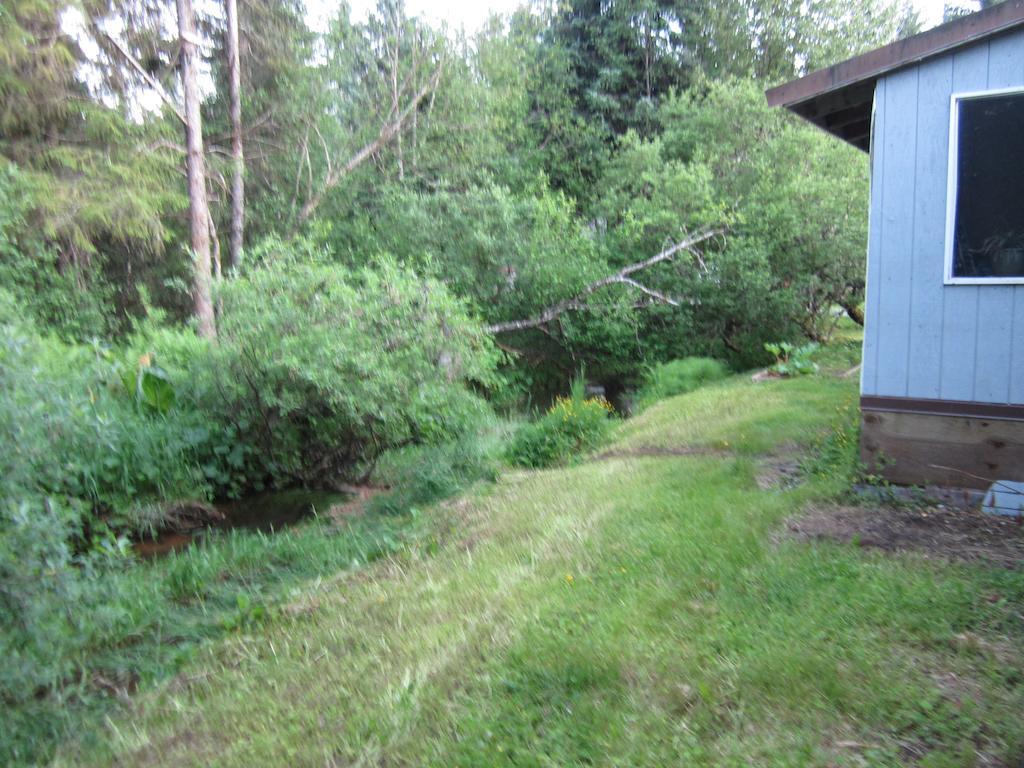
<point x="942" y="442"/>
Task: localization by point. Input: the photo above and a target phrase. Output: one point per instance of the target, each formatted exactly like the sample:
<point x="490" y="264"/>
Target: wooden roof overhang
<point x="839" y="98"/>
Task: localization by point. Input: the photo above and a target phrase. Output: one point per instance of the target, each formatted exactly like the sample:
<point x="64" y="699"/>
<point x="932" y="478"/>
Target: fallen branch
<point x="622" y="277"/>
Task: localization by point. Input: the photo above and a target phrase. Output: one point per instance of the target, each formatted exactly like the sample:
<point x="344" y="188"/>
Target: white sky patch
<point x="141" y="99"/>
<point x="471" y="14"/>
<point x="467" y="14"/>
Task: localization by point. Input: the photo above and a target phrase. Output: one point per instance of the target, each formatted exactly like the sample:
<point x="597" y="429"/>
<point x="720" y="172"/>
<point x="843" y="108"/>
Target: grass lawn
<point x="640" y="609"/>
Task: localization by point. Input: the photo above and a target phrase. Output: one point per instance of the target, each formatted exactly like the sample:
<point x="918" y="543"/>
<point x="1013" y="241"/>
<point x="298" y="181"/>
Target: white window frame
<point x="951" y="187"/>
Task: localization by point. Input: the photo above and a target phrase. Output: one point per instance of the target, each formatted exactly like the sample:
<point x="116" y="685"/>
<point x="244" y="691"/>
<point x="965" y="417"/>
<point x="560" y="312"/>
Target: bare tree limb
<point x="144" y="74"/>
<point x="578" y="302"/>
<point x="387" y="133"/>
<point x="650" y="292"/>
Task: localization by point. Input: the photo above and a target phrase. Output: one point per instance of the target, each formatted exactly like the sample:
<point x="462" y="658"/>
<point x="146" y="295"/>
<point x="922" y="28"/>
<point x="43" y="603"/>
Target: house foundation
<point x="942" y="442"/>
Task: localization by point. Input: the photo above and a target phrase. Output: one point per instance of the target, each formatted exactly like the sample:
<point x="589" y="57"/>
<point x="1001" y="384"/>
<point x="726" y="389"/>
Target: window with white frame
<point x="985" y="215"/>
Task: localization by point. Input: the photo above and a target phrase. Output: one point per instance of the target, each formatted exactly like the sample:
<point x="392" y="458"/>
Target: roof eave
<point x="848" y="87"/>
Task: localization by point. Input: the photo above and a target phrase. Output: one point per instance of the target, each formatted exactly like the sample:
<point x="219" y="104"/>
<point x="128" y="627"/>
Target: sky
<point x="471" y="14"/>
<point x="465" y="14"/>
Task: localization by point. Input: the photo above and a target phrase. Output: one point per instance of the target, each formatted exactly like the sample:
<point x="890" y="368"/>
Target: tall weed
<point x="678" y="377"/>
<point x="574" y="425"/>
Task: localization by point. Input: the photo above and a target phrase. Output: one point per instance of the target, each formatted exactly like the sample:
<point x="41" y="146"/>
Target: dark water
<point x="266" y="512"/>
<point x="274" y="510"/>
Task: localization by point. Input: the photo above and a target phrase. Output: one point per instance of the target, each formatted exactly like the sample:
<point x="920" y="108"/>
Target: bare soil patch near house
<point x="950" y="533"/>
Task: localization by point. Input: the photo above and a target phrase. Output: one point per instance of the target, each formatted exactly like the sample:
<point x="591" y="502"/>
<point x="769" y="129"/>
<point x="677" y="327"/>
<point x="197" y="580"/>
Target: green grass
<point x="170" y="607"/>
<point x="632" y="611"/>
<point x="739" y="416"/>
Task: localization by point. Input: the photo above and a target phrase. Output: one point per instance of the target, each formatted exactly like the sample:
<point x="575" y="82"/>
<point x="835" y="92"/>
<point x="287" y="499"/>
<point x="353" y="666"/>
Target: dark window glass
<point x="988" y="232"/>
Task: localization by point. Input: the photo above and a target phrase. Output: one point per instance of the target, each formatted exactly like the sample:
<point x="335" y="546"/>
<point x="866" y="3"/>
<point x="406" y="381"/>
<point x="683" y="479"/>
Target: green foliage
<point x="792" y="360"/>
<point x="793" y="201"/>
<point x="55" y="603"/>
<point x="677" y="377"/>
<point x="799" y="197"/>
<point x="777" y="40"/>
<point x="836" y="455"/>
<point x="70" y="304"/>
<point x="149" y="385"/>
<point x="318" y="368"/>
<point x="531" y="107"/>
<point x="573" y="426"/>
<point x="624" y="57"/>
<point x="78" y="629"/>
<point x="77" y="433"/>
<point x="648" y="198"/>
<point x="418" y="476"/>
<point x="510" y="255"/>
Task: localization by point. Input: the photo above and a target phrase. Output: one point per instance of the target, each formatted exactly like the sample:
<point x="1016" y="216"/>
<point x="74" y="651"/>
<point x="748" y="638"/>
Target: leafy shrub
<point x="419" y="475"/>
<point x="679" y="377"/>
<point x="41" y="578"/>
<point x="422" y="475"/>
<point x="572" y="426"/>
<point x="791" y="360"/>
<point x="318" y="369"/>
<point x="510" y="255"/>
<point x="82" y="427"/>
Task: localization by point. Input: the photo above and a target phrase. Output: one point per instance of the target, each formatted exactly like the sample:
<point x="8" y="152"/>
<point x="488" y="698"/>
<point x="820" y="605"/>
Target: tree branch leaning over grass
<point x="578" y="302"/>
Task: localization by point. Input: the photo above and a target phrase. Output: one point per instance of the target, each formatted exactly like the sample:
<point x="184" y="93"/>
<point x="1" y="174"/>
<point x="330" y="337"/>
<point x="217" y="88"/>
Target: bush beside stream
<point x="316" y="372"/>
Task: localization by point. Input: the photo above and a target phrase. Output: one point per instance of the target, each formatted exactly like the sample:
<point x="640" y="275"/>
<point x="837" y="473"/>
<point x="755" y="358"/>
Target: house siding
<point x="925" y="339"/>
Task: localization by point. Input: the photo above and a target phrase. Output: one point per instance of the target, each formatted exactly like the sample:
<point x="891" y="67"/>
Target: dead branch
<point x="143" y="73"/>
<point x="622" y="277"/>
<point x="387" y="133"/>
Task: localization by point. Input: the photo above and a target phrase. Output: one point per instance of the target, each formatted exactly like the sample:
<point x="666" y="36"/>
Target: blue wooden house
<point x="942" y="116"/>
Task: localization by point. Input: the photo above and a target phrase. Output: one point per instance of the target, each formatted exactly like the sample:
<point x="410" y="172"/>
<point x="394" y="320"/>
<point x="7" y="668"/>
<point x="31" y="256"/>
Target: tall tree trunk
<point x="237" y="158"/>
<point x="198" y="207"/>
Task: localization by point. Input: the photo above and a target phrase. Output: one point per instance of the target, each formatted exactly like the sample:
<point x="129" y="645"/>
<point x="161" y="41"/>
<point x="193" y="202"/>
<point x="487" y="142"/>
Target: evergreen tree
<point x="624" y="56"/>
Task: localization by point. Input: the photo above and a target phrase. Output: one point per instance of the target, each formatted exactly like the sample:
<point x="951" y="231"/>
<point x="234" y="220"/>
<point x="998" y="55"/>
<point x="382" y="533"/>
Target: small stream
<point x="266" y="512"/>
